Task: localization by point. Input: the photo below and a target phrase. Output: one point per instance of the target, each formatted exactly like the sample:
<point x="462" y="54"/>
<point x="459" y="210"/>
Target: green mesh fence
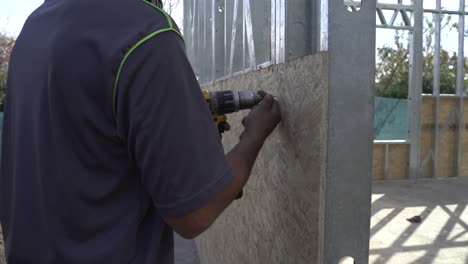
<point x="390" y="119"/>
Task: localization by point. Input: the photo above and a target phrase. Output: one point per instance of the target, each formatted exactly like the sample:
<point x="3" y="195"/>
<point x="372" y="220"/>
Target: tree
<point x="170" y="5"/>
<point x="6" y="46"/>
<point x="392" y="73"/>
<point x="392" y="69"/>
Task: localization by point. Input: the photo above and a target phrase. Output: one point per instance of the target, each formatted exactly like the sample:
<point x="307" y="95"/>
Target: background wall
<point x="446" y="162"/>
<point x="277" y="220"/>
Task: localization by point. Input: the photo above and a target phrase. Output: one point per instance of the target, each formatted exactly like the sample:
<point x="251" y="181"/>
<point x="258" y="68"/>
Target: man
<point x="108" y="144"/>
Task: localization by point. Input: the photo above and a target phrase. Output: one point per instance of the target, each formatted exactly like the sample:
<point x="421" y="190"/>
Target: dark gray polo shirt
<point x="105" y="133"/>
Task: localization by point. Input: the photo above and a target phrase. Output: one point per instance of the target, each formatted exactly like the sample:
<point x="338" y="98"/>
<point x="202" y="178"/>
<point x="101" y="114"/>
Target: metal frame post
<point x="213" y="39"/>
<point x="323" y="25"/>
<point x="315" y="26"/>
<point x="436" y="87"/>
<point x="350" y="41"/>
<point x="415" y="90"/>
<point x="460" y="84"/>
<point x="415" y="83"/>
<point x="279" y="38"/>
<point x="230" y="70"/>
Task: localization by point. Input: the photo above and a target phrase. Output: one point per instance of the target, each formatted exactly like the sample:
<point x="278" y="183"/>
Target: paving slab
<point x="440" y="237"/>
<point x="185" y="251"/>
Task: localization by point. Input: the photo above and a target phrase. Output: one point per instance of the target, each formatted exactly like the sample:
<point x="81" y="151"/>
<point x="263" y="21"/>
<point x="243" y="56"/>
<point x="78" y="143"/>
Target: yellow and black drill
<point x="226" y="102"/>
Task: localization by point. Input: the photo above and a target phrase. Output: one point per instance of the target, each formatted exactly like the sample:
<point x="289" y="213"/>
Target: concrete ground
<point x="185" y="251"/>
<point x="442" y="235"/>
<point x="440" y="238"/>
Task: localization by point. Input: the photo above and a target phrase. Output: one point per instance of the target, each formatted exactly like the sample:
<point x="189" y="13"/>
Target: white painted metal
<point x="436" y="88"/>
<point x="350" y="130"/>
<point x="415" y="90"/>
<point x="460" y="86"/>
<point x="416" y="30"/>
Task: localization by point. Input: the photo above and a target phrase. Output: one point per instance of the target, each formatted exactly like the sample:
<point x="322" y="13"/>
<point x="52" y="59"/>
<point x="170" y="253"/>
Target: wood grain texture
<point x="447" y="147"/>
<point x="277" y="220"/>
<point x="427" y="133"/>
<point x="464" y="150"/>
<point x="398" y="159"/>
<point x="446" y="163"/>
<point x="379" y="162"/>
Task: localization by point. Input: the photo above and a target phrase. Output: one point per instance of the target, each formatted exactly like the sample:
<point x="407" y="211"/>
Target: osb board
<point x="446" y="162"/>
<point x="447" y="151"/>
<point x="447" y="105"/>
<point x="398" y="159"/>
<point x="426" y="147"/>
<point x="379" y="162"/>
<point x="464" y="150"/>
<point x="446" y="156"/>
<point x="427" y="109"/>
<point x="464" y="154"/>
<point x="277" y="220"/>
<point x="427" y="128"/>
<point x="465" y="110"/>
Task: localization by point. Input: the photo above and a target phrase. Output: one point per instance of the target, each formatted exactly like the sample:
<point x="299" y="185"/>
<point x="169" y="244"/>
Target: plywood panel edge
<point x="280" y="212"/>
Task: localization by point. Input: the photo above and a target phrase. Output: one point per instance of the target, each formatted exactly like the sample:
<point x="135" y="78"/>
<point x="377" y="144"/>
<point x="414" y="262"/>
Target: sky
<point x="449" y="36"/>
<point x="13" y="14"/>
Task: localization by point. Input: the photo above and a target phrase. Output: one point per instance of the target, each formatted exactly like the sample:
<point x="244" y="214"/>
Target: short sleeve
<point x="168" y="128"/>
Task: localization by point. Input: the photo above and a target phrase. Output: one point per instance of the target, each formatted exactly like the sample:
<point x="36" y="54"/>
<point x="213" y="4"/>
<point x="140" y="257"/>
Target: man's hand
<point x="259" y="124"/>
<point x="263" y="119"/>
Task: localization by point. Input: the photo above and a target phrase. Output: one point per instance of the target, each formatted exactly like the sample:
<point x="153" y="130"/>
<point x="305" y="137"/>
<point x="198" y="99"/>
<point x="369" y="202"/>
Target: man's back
<point x="71" y="189"/>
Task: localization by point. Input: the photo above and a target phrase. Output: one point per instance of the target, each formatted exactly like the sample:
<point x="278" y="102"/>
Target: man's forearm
<point x="241" y="158"/>
<point x="259" y="124"/>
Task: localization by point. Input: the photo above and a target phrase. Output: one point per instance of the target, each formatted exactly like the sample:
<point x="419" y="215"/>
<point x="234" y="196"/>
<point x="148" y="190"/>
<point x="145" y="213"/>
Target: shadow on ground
<point x="442" y="235"/>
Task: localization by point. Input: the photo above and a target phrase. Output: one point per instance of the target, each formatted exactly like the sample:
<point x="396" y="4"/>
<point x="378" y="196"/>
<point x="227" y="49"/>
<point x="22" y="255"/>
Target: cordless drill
<point x="227" y="102"/>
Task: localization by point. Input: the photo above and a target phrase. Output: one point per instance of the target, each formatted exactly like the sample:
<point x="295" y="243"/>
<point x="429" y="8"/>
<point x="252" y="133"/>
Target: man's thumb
<point x="267" y="101"/>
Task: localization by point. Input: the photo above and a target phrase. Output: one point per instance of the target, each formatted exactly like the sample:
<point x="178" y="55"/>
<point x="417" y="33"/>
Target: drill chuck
<point x="247" y="99"/>
<point x="226" y="102"/>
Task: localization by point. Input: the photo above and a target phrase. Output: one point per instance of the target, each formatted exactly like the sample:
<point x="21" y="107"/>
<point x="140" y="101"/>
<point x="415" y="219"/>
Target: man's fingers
<point x="226" y="126"/>
<point x="276" y="111"/>
<point x="244" y="121"/>
<point x="261" y="93"/>
<point x="275" y="108"/>
<point x="267" y="101"/>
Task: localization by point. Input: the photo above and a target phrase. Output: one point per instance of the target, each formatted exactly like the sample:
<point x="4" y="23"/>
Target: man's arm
<point x="166" y="124"/>
<point x="258" y="125"/>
